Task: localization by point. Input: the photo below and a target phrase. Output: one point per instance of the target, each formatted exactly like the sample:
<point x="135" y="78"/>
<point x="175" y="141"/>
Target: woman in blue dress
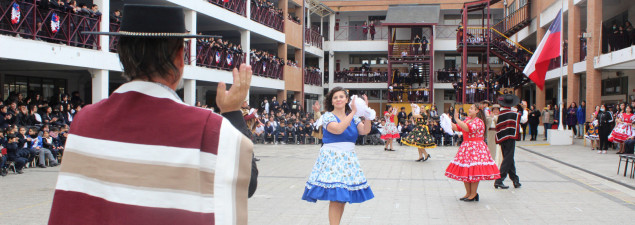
<point x="337" y="176"/>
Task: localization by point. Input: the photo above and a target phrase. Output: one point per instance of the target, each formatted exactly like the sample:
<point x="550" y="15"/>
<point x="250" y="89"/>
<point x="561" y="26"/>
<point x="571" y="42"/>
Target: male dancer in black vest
<point x="507" y="128"/>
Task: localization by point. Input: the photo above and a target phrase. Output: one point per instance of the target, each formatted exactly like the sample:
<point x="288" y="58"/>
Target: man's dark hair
<point x="147" y="58"/>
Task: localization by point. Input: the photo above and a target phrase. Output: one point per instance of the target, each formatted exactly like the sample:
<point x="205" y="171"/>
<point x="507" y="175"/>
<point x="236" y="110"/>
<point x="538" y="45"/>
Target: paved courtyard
<point x="581" y="187"/>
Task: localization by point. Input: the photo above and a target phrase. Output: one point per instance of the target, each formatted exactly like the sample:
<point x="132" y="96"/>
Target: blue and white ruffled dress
<point x="337" y="175"/>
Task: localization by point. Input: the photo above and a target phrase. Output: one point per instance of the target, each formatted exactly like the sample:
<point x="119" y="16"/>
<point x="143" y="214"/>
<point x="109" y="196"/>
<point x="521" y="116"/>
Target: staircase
<point x="499" y="44"/>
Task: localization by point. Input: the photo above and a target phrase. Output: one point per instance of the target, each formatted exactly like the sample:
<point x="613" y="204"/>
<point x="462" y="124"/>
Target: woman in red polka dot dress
<point x="473" y="162"/>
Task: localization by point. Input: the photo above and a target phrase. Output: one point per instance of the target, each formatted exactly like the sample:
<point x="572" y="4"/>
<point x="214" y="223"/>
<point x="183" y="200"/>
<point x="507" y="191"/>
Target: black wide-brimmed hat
<point x="508" y="100"/>
<point x="152" y="21"/>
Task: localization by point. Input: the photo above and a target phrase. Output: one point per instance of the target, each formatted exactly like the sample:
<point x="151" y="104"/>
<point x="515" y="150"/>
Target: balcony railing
<point x="415" y="95"/>
<point x="186" y="49"/>
<point x="212" y="57"/>
<point x="312" y="77"/>
<point x="445" y="31"/>
<point x="313" y="37"/>
<point x="26" y="19"/>
<point x="267" y="16"/>
<point x="357" y="33"/>
<point x="267" y="68"/>
<point x="236" y="6"/>
<point x="514" y="21"/>
<point x="360" y="77"/>
<point x="114" y="40"/>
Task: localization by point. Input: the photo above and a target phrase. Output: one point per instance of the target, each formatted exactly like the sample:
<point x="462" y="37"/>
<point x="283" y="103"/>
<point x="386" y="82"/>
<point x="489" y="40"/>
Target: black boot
<point x="499" y="184"/>
<point x="517" y="184"/>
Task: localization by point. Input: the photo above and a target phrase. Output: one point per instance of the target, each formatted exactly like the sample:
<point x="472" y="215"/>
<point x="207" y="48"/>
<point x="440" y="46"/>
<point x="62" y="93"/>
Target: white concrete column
<point x="322" y="26"/>
<point x="189" y="92"/>
<point x="331" y="27"/>
<point x="99" y="85"/>
<point x="190" y="24"/>
<point x="248" y="9"/>
<point x="321" y="66"/>
<point x="308" y="18"/>
<point x="331" y="52"/>
<point x="245" y="42"/>
<point x="104" y="25"/>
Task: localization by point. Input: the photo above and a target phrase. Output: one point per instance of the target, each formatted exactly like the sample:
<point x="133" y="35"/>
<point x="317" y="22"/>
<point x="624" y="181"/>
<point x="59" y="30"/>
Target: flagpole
<point x="560" y="126"/>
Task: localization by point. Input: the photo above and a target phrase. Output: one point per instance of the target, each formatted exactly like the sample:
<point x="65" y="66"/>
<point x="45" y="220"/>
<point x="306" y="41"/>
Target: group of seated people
<point x="266" y="64"/>
<point x="398" y="92"/>
<point x="450" y="75"/>
<point x="358" y="76"/>
<point x="410" y="75"/>
<point x="216" y="53"/>
<point x="82" y="17"/>
<point x="266" y="12"/>
<point x="32" y="132"/>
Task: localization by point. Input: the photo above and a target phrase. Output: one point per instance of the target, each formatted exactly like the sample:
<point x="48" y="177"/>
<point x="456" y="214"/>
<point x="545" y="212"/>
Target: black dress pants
<point x="629" y="146"/>
<point x="508" y="166"/>
<point x="603" y="132"/>
<point x="534" y="130"/>
<point x="525" y="131"/>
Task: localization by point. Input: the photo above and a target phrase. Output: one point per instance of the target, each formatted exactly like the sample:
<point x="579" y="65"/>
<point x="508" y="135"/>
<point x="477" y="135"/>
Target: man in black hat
<point x="142" y="156"/>
<point x="507" y="128"/>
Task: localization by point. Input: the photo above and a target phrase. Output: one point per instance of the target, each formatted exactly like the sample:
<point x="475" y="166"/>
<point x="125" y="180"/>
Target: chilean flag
<point x="549" y="48"/>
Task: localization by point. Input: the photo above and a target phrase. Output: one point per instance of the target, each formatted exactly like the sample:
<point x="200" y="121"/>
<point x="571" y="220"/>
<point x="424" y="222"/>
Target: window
<point x="28" y="86"/>
<point x="615" y="86"/>
<point x="370" y="59"/>
<point x="511" y="8"/>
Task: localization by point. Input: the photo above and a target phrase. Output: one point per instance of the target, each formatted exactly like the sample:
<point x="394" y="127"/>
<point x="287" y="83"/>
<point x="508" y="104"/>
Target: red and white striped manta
<point x="144" y="157"/>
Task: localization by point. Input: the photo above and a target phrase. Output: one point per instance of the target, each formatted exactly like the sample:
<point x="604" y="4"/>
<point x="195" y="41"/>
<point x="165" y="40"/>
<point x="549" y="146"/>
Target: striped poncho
<point x="144" y="157"/>
<point x="507" y="126"/>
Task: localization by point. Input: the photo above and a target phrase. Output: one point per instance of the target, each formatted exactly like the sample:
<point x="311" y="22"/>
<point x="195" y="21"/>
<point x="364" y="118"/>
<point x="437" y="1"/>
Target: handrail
<point x="515" y="43"/>
<point x="344" y="33"/>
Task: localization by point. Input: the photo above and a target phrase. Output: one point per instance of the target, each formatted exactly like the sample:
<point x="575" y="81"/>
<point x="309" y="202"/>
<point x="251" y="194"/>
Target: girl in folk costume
<point x="624" y="128"/>
<point x="337" y="176"/>
<point x="592" y="132"/>
<point x="390" y="131"/>
<point x="473" y="161"/>
<point x="420" y="136"/>
<point x="250" y="116"/>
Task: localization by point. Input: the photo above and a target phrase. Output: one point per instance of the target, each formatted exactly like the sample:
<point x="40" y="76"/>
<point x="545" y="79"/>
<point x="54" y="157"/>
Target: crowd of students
<point x="313" y="75"/>
<point x="359" y="76"/>
<point x="218" y="53"/>
<point x="620" y="36"/>
<point x="267" y="13"/>
<point x="34" y="131"/>
<point x="266" y="64"/>
<point x="54" y="19"/>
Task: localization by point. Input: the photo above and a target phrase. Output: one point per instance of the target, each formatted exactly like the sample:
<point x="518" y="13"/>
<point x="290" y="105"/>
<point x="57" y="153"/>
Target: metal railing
<point x="360" y="77"/>
<point x="25" y="19"/>
<point x="267" y="16"/>
<point x="237" y="6"/>
<point x="211" y="57"/>
<point x="312" y="77"/>
<point x="514" y="21"/>
<point x="114" y="40"/>
<point x="313" y="37"/>
<point x="445" y="31"/>
<point x="267" y="68"/>
<point x="415" y="95"/>
<point x="357" y="33"/>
